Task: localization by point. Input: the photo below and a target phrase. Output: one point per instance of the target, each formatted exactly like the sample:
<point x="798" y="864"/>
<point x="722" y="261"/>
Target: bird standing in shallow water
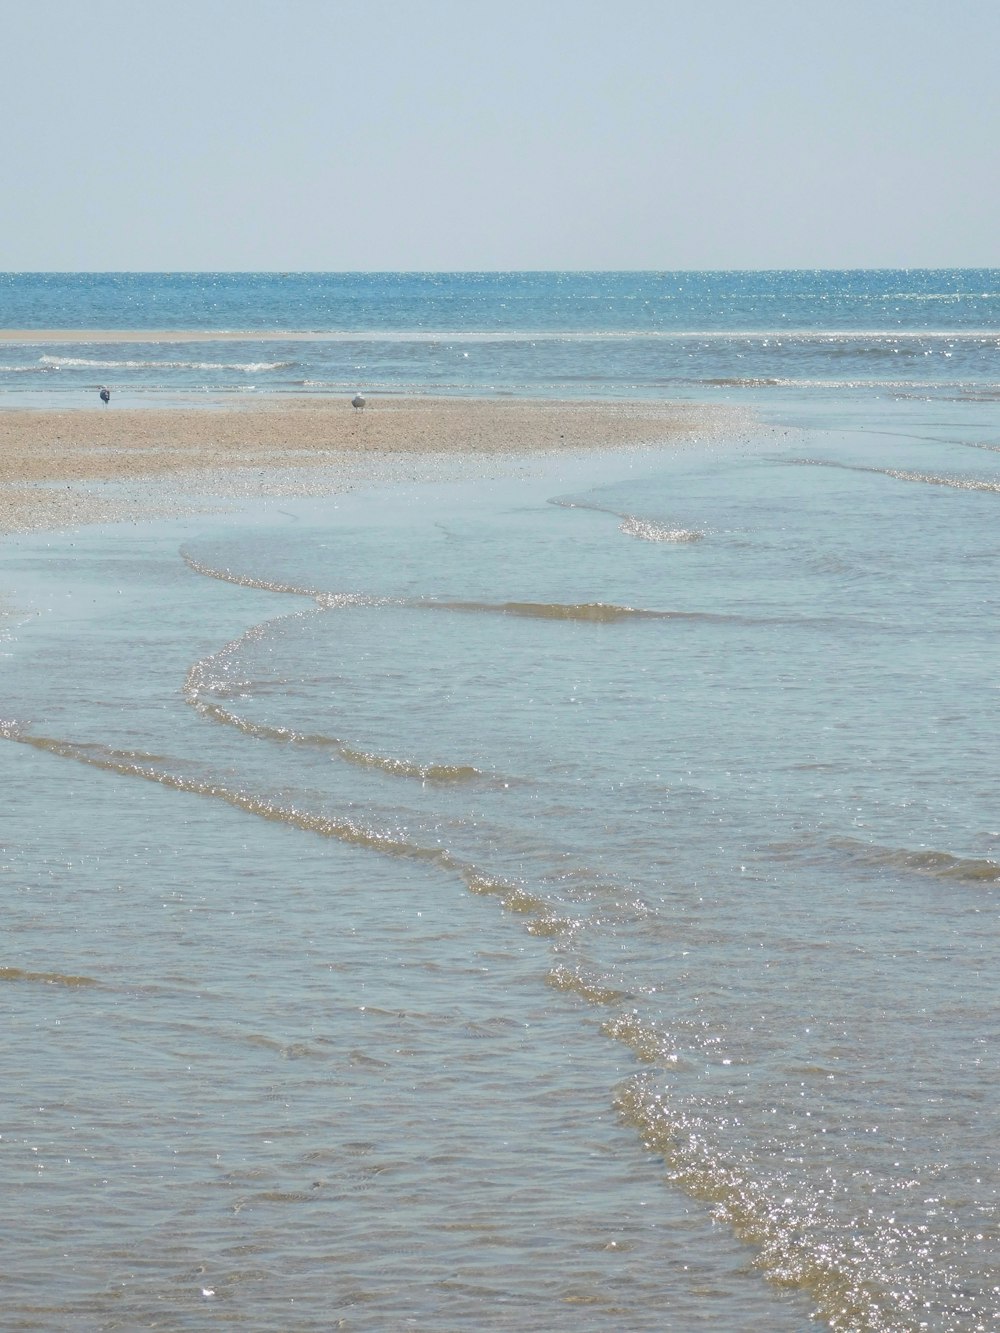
<point x="105" y="395"/>
<point x="357" y="401"/>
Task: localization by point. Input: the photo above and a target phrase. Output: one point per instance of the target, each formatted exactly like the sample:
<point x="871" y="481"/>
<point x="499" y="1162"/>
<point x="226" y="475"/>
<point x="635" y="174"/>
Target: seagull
<point x="357" y="401"/>
<point x="105" y="395"/>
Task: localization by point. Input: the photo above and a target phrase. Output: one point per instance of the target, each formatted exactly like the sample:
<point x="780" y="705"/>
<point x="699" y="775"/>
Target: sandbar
<point x="54" y="463"/>
<point x="30" y="336"/>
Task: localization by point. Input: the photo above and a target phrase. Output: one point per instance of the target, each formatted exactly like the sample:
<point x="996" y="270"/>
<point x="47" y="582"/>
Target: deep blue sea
<point x="546" y="893"/>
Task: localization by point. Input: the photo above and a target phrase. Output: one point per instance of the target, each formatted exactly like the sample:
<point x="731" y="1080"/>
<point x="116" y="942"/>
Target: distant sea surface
<point x="690" y="335"/>
<point x="563" y="898"/>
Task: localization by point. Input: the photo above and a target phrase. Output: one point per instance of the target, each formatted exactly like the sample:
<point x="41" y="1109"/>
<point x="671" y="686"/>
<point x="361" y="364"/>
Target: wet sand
<point x="54" y="463"/>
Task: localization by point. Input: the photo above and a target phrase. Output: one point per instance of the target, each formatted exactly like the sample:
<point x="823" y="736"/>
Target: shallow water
<point x="560" y="901"/>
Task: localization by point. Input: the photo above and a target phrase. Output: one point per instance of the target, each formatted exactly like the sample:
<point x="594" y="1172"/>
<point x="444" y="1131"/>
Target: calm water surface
<point x="563" y="900"/>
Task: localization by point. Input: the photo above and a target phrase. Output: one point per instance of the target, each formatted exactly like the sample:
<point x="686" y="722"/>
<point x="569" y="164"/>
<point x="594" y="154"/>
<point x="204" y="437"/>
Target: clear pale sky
<point x="460" y="134"/>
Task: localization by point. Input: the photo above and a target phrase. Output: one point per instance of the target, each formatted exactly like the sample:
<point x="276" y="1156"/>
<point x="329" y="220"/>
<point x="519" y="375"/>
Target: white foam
<point x="75" y="362"/>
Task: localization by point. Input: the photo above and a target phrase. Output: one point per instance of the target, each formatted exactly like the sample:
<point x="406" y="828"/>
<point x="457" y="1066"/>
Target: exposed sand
<point x="30" y="336"/>
<point x="53" y="463"/>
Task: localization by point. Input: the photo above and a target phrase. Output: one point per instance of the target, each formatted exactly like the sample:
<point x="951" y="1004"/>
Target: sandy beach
<point x="53" y="462"/>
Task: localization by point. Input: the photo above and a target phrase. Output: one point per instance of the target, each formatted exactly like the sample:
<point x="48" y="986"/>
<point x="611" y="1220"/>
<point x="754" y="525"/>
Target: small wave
<point x="929" y="479"/>
<point x="294" y="1050"/>
<point x="47" y="978"/>
<point x="403" y="768"/>
<point x="642" y="1038"/>
<point x="542" y="920"/>
<point x="81" y="362"/>
<point x="407" y="768"/>
<point x="352" y="832"/>
<point x="513" y="896"/>
<point x="940" y="865"/>
<point x="246" y="580"/>
<point x="785" y="382"/>
<point x="744" y="382"/>
<point x="631" y="525"/>
<point x="550" y="924"/>
<point x="590" y="989"/>
<point x="601" y="613"/>
<point x="796" y="1245"/>
<point x="592" y="612"/>
<point x="595" y="612"/>
<point x="328" y="601"/>
<point x="210" y="675"/>
<point x="926" y="478"/>
<point x="26" y="370"/>
<point x="654" y="532"/>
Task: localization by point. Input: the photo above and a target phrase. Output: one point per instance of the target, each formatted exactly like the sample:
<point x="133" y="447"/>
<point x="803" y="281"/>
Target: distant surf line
<point x="424" y="335"/>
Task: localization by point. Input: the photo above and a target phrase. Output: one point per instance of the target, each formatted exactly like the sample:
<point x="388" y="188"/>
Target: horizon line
<point x="446" y="272"/>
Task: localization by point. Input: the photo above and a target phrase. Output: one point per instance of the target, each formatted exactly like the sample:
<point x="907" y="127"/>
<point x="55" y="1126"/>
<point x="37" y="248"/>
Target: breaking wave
<point x="100" y="363"/>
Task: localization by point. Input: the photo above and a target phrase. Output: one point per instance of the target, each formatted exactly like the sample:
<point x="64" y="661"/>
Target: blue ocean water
<point x="558" y="898"/>
<point x="932" y="334"/>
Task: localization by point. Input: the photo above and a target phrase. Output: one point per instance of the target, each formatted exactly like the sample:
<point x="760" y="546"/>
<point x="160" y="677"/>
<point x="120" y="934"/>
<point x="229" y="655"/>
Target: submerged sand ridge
<point x="50" y="459"/>
<point x="32" y="336"/>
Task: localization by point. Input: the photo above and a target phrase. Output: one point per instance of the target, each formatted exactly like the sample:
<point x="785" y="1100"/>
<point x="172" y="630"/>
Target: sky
<point x="499" y="134"/>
